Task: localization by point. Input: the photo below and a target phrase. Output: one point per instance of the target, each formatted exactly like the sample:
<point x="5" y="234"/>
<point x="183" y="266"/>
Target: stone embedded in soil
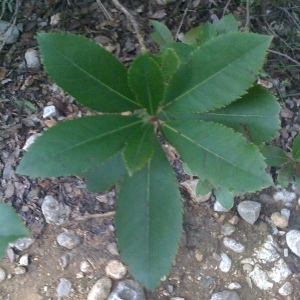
<point x="8" y="31"/>
<point x="286" y="212"/>
<point x="225" y="264"/>
<point x="22" y="243"/>
<point x="32" y="59"/>
<point x="219" y="208"/>
<point x="226" y="295"/>
<point x="49" y="111"/>
<point x="115" y="269"/>
<point x="68" y="239"/>
<point x="113" y="249"/>
<point x="55" y="212"/>
<point x="285" y="196"/>
<point x="100" y="290"/>
<point x="177" y="298"/>
<point x="85" y="267"/>
<point x="24" y="260"/>
<point x="233" y="245"/>
<point x="293" y="241"/>
<point x="280" y="271"/>
<point x="234" y="220"/>
<point x="2" y="274"/>
<point x="227" y="229"/>
<point x="198" y="255"/>
<point x="267" y="252"/>
<point x="234" y="286"/>
<point x="286" y="289"/>
<point x="249" y="211"/>
<point x="63" y="288"/>
<point x="279" y="220"/>
<point x="260" y="279"/>
<point x="266" y="199"/>
<point x="20" y="270"/>
<point x="191" y="186"/>
<point x="127" y="290"/>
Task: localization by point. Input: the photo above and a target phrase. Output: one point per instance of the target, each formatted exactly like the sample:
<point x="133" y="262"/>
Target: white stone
<point x="280" y="271"/>
<point x="233" y="245"/>
<point x="85" y="267"/>
<point x="22" y="243"/>
<point x="32" y="59"/>
<point x="286" y="289"/>
<point x="100" y="290"/>
<point x="20" y="270"/>
<point x="8" y="32"/>
<point x="49" y="111"/>
<point x="115" y="269"/>
<point x="63" y="288"/>
<point x="68" y="239"/>
<point x="267" y="252"/>
<point x="284" y="196"/>
<point x="127" y="289"/>
<point x="286" y="212"/>
<point x="260" y="279"/>
<point x="227" y="229"/>
<point x="113" y="249"/>
<point x="249" y="211"/>
<point x="24" y="261"/>
<point x="226" y="295"/>
<point x="177" y="298"/>
<point x="293" y="241"/>
<point x="2" y="274"/>
<point x="234" y="286"/>
<point x="219" y="208"/>
<point x="225" y="264"/>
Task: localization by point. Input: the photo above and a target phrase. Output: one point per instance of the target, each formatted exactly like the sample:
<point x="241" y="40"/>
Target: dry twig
<point x="286" y="56"/>
<point x="225" y="8"/>
<point x="135" y="25"/>
<point x="95" y="216"/>
<point x="183" y="17"/>
<point x="104" y="10"/>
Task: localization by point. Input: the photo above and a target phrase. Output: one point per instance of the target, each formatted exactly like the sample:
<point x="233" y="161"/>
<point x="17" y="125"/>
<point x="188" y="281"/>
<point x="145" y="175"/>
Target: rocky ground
<point x="250" y="252"/>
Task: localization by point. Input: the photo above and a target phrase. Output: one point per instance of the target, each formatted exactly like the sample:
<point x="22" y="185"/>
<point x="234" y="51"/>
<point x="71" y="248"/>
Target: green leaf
<point x="139" y="148"/>
<point x="146" y="81"/>
<point x="148" y="220"/>
<point x="211" y="70"/>
<point x="75" y="146"/>
<point x="11" y="227"/>
<point x="193" y="35"/>
<point x="255" y="115"/>
<point x="187" y="170"/>
<point x="275" y="156"/>
<point x="218" y="154"/>
<point x="102" y="177"/>
<point x="224" y="197"/>
<point x="209" y="32"/>
<point x="203" y="188"/>
<point x="169" y="64"/>
<point x="227" y="24"/>
<point x="296" y="147"/>
<point x="285" y="174"/>
<point x="91" y="74"/>
<point x="183" y="51"/>
<point x="161" y="35"/>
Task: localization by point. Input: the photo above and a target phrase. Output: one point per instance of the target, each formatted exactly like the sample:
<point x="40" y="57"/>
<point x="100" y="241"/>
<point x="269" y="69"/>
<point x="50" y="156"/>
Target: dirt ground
<point x="25" y="92"/>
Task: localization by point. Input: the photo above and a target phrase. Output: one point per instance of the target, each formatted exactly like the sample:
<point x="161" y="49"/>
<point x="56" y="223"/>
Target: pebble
<point x="115" y="269"/>
<point x="267" y="252"/>
<point x="127" y="290"/>
<point x="286" y="289"/>
<point x="234" y="220"/>
<point x="247" y="267"/>
<point x="260" y="279"/>
<point x="2" y="274"/>
<point x="293" y="241"/>
<point x="280" y="271"/>
<point x="227" y="229"/>
<point x="286" y="212"/>
<point x="266" y="199"/>
<point x="49" y="111"/>
<point x="55" y="212"/>
<point x="234" y="286"/>
<point x="68" y="239"/>
<point x="219" y="208"/>
<point x="113" y="249"/>
<point x="32" y="59"/>
<point x="177" y="298"/>
<point x="279" y="220"/>
<point x="191" y="186"/>
<point x="6" y="30"/>
<point x="233" y="245"/>
<point x="63" y="288"/>
<point x="249" y="211"/>
<point x="100" y="290"/>
<point x="85" y="267"/>
<point x="22" y="243"/>
<point x="20" y="270"/>
<point x="285" y="196"/>
<point x="198" y="255"/>
<point x="225" y="264"/>
<point x="226" y="295"/>
<point x="64" y="260"/>
<point x="24" y="261"/>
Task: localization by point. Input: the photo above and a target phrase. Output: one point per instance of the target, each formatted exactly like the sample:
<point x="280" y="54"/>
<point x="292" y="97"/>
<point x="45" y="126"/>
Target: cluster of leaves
<point x="198" y="95"/>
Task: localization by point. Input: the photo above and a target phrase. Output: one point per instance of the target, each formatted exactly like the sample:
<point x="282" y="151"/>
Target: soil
<point x="24" y="94"/>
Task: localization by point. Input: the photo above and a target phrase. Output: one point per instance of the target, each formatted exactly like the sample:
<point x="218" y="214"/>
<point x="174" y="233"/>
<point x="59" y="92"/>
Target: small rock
<point x="177" y="298"/>
<point x="32" y="59"/>
<point x="191" y="186"/>
<point x="267" y="252"/>
<point x="100" y="289"/>
<point x="55" y="212"/>
<point x="234" y="286"/>
<point x="2" y="274"/>
<point x="234" y="220"/>
<point x="49" y="111"/>
<point x="64" y="260"/>
<point x="285" y="196"/>
<point x="293" y="241"/>
<point x="24" y="261"/>
<point x="266" y="199"/>
<point x="55" y="19"/>
<point x="280" y="271"/>
<point x="127" y="290"/>
<point x="198" y="255"/>
<point x="249" y="211"/>
<point x="113" y="249"/>
<point x="286" y="289"/>
<point x="115" y="269"/>
<point x="86" y="267"/>
<point x="233" y="245"/>
<point x="22" y="243"/>
<point x="226" y="295"/>
<point x="63" y="288"/>
<point x="279" y="220"/>
<point x="20" y="270"/>
<point x="225" y="264"/>
<point x="227" y="229"/>
<point x="260" y="279"/>
<point x="11" y="254"/>
<point x="247" y="268"/>
<point x="68" y="239"/>
<point x="219" y="208"/>
<point x="7" y="30"/>
<point x="286" y="212"/>
<point x="79" y="275"/>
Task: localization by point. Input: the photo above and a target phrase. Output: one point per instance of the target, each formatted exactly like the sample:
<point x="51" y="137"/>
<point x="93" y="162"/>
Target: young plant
<point x="198" y="96"/>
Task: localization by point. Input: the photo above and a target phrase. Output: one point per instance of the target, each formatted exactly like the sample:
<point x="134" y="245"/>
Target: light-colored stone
<point x="260" y="279"/>
<point x="63" y="288"/>
<point x="127" y="290"/>
<point x="191" y="186"/>
<point x="100" y="290"/>
<point x="285" y="196"/>
<point x="198" y="255"/>
<point x="293" y="241"/>
<point x="249" y="211"/>
<point x="22" y="243"/>
<point x="2" y="274"/>
<point x="177" y="298"/>
<point x="227" y="229"/>
<point x="279" y="220"/>
<point x="24" y="260"/>
<point x="115" y="269"/>
<point x="113" y="249"/>
<point x="286" y="289"/>
<point x="280" y="271"/>
<point x="234" y="286"/>
<point x="68" y="239"/>
<point x="225" y="264"/>
<point x="85" y="267"/>
<point x="8" y="32"/>
<point x="286" y="212"/>
<point x="226" y="295"/>
<point x="49" y="111"/>
<point x="233" y="245"/>
<point x="20" y="270"/>
<point x="234" y="220"/>
<point x="267" y="252"/>
<point x="32" y="59"/>
<point x="219" y="208"/>
<point x="55" y="212"/>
